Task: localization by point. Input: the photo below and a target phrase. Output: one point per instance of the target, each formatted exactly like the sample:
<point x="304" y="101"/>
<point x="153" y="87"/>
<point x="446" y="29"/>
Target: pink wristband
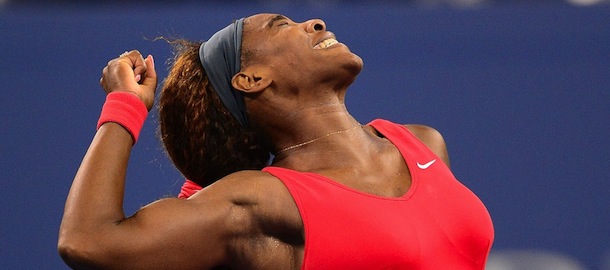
<point x="125" y="109"/>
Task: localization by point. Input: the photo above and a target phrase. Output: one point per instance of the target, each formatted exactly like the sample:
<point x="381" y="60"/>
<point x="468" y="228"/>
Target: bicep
<point x="168" y="234"/>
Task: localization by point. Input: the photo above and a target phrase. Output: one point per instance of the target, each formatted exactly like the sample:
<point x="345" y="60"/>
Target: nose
<point x="315" y="25"/>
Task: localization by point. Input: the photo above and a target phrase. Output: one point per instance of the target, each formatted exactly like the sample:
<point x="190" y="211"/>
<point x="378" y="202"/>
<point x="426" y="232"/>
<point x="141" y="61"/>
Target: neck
<point x="289" y="118"/>
<point x="316" y="139"/>
<point x="340" y="149"/>
<point x="314" y="131"/>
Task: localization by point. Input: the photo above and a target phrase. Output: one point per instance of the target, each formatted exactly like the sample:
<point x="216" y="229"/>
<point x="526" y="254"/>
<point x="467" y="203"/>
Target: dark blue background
<point x="520" y="91"/>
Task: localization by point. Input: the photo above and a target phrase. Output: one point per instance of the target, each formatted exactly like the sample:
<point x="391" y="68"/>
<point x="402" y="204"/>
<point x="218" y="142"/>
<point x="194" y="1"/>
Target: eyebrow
<point x="275" y="19"/>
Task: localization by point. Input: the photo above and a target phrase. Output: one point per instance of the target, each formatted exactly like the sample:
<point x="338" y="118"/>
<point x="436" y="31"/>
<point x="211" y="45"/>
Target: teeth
<point x="326" y="43"/>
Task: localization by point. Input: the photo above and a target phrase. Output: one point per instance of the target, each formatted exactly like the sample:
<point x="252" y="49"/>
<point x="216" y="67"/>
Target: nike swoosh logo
<point x="425" y="166"/>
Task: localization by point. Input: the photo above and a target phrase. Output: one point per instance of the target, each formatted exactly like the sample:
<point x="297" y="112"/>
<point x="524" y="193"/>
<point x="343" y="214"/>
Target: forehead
<point x="262" y="21"/>
<point x="257" y="30"/>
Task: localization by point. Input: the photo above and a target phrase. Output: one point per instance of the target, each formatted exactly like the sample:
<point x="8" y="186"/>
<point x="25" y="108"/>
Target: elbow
<point x="68" y="253"/>
<point x="76" y="253"/>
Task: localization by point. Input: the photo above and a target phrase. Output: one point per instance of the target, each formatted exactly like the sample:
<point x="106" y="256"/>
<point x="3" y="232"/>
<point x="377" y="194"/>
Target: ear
<point x="250" y="82"/>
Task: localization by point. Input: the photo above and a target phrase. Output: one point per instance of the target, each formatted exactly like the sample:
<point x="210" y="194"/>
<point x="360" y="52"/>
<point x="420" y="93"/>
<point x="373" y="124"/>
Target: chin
<point x="355" y="64"/>
<point x="352" y="69"/>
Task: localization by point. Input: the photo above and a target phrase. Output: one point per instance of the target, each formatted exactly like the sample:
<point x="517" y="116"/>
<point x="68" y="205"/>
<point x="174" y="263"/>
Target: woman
<point x="339" y="195"/>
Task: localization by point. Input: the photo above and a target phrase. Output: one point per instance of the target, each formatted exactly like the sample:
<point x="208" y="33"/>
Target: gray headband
<point x="220" y="57"/>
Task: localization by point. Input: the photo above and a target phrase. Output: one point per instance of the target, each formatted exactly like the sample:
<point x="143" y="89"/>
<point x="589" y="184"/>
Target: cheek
<point x="287" y="58"/>
<point x="281" y="53"/>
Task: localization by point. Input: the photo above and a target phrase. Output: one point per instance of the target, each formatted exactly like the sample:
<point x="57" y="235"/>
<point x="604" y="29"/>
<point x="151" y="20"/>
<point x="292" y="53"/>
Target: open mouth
<point x="326" y="43"/>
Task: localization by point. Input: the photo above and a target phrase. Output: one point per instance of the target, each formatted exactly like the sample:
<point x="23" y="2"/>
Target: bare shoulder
<point x="426" y="134"/>
<point x="431" y="138"/>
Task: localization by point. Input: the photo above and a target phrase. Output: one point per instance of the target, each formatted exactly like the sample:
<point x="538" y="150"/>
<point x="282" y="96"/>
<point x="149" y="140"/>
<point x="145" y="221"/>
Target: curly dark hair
<point x="202" y="138"/>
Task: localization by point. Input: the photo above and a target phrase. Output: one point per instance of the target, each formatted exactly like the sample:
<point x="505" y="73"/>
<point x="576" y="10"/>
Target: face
<point x="297" y="52"/>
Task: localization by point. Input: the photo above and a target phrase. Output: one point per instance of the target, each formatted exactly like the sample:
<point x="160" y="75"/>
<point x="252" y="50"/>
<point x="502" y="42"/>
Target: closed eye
<point x="278" y="18"/>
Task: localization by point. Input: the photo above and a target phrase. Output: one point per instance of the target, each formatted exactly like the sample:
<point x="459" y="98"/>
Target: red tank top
<point x="437" y="224"/>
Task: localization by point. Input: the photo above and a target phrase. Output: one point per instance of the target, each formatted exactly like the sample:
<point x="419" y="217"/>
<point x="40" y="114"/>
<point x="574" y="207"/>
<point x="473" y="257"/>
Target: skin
<point x="247" y="220"/>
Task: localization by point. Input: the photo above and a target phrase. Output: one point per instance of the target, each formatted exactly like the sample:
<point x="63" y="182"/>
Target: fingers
<point x="138" y="64"/>
<point x="151" y="74"/>
<point x="130" y="55"/>
<point x="130" y="62"/>
<point x="144" y="69"/>
<point x="132" y="73"/>
<point x="104" y="72"/>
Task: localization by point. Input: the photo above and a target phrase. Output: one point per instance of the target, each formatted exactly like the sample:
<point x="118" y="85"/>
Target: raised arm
<point x="95" y="233"/>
